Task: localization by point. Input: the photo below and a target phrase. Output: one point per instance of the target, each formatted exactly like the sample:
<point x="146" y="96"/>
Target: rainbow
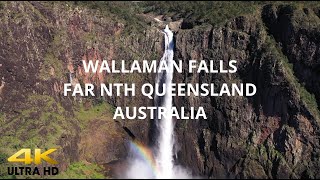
<point x="146" y="154"/>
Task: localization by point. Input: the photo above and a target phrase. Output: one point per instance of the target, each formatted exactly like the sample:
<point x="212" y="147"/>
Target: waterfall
<point x="164" y="158"/>
<point x="145" y="163"/>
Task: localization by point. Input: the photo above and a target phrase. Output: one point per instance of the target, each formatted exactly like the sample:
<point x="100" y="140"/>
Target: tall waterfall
<point x="159" y="164"/>
<point x="164" y="158"/>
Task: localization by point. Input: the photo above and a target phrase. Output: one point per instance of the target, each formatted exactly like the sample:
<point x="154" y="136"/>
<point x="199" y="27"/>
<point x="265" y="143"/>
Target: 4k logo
<point x="38" y="156"/>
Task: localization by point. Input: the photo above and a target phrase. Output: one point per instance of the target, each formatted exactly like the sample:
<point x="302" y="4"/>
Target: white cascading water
<point x="164" y="158"/>
<point x="139" y="165"/>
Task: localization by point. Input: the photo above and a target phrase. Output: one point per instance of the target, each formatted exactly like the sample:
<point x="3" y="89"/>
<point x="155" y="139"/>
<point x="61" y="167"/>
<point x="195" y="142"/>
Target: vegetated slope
<point x="273" y="134"/>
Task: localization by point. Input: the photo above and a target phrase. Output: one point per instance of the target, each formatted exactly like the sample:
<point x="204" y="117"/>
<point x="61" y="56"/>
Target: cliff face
<point x="274" y="134"/>
<point x="42" y="45"/>
<point x="297" y="30"/>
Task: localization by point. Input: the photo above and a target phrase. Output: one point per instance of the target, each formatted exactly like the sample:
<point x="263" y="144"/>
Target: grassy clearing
<point x="101" y="110"/>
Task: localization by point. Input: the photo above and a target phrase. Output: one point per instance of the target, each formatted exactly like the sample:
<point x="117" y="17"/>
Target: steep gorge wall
<point x="42" y="45"/>
<point x="272" y="134"/>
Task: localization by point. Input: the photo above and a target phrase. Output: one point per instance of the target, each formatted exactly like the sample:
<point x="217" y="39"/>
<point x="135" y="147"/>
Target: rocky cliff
<point x="274" y="134"/>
